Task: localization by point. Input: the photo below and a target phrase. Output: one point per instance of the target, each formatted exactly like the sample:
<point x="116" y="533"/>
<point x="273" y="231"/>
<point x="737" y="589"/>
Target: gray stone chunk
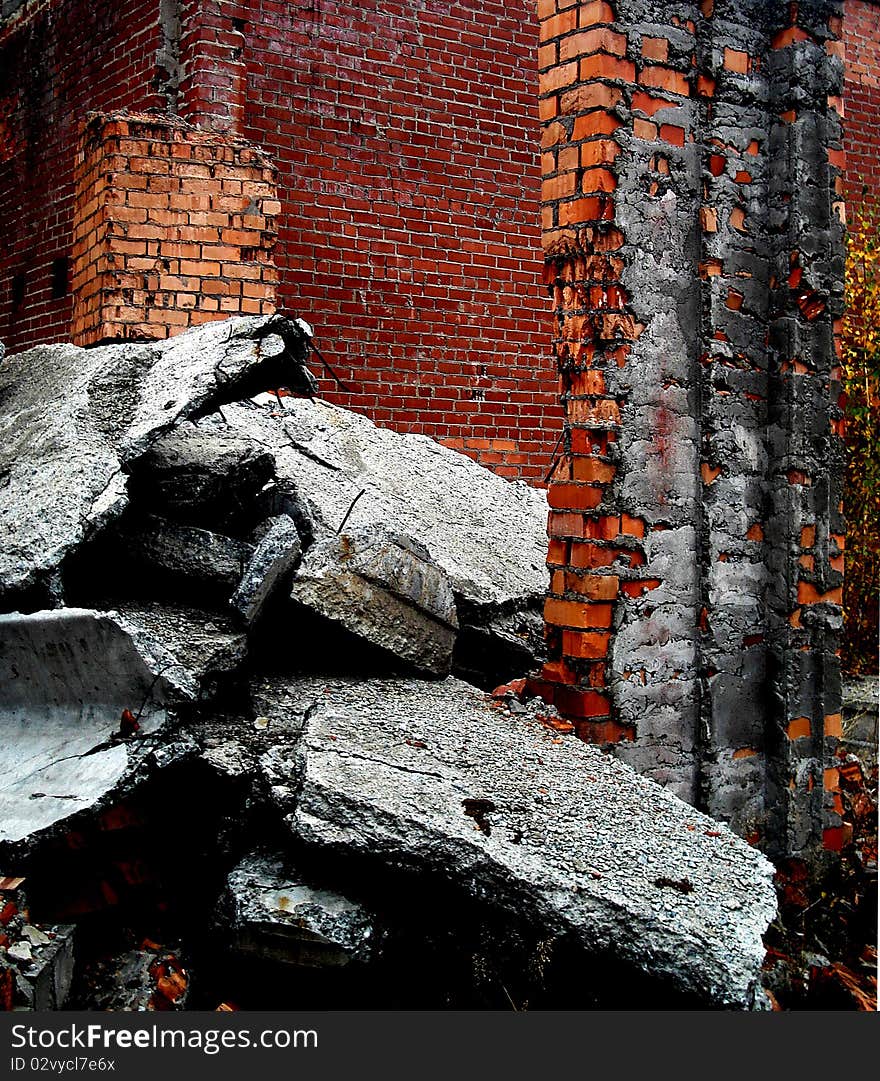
<point x="487" y="533"/>
<point x="430" y="778"/>
<point x="44" y="971"/>
<point x="181" y="551"/>
<point x="275" y="557"/>
<point x="67" y="676"/>
<point x="384" y="588"/>
<point x="278" y="916"/>
<point x="64" y="456"/>
<point x="205" y="643"/>
<point x="202" y="477"/>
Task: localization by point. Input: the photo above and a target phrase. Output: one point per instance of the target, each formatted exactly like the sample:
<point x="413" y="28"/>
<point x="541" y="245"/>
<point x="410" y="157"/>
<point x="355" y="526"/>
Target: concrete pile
<point x="232" y="618"/>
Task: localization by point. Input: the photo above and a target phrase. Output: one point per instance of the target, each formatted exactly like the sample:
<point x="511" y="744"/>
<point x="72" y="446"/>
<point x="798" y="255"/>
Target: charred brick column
<point x="692" y="246"/>
<point x="172" y="227"/>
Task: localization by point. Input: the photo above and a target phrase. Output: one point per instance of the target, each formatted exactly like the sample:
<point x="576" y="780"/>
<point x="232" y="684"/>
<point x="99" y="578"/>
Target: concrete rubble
<point x="385" y="589"/>
<point x="68" y="678"/>
<point x="211" y="567"/>
<point x="36" y="963"/>
<point x="275" y="914"/>
<point x="489" y="535"/>
<point x="64" y="457"/>
<point x="430" y="778"/>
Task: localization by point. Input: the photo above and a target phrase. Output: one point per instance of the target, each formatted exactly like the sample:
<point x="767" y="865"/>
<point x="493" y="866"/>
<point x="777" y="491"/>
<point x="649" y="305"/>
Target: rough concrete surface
<point x="488" y="534"/>
<point x="429" y="777"/>
<point x="275" y="913"/>
<point x="72" y="421"/>
<point x="66" y="677"/>
<point x="275" y="556"/>
<point x="384" y="588"/>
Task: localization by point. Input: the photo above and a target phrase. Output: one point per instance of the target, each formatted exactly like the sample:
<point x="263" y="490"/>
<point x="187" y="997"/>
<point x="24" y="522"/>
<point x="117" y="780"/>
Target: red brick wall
<point x="861" y="94"/>
<point x="173" y="226"/>
<point x="58" y="61"/>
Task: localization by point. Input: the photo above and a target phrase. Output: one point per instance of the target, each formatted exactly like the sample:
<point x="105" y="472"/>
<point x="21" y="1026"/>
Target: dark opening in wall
<point x="239" y="25"/>
<point x="60" y="277"/>
<point x="18" y="288"/>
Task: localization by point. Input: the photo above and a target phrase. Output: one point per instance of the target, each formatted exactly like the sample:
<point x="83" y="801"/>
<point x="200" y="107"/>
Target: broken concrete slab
<point x="210" y="563"/>
<point x="67" y="676"/>
<point x="202" y="477"/>
<point x="277" y="915"/>
<point x="274" y="558"/>
<point x="487" y="533"/>
<point x="64" y="456"/>
<point x="385" y="588"/>
<point x="206" y="643"/>
<point x="429" y="777"/>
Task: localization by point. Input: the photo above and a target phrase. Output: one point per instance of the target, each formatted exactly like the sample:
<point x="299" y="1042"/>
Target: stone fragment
<point x="43" y="962"/>
<point x="429" y="777"/>
<point x="273" y="560"/>
<point x="278" y="916"/>
<point x="205" y="642"/>
<point x="384" y="588"/>
<point x="487" y="533"/>
<point x="67" y="677"/>
<point x="212" y="561"/>
<point x="64" y="456"/>
<point x="202" y="477"/>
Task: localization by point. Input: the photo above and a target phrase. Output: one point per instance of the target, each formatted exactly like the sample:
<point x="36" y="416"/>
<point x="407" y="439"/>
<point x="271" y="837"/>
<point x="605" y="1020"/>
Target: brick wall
<point x="172" y="227"/>
<point x="692" y="233"/>
<point x="861" y="93"/>
<point x="59" y="60"/>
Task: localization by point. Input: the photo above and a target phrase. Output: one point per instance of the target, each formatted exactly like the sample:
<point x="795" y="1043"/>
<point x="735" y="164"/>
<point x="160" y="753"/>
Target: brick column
<point x="172" y="227"/>
<point x="679" y="149"/>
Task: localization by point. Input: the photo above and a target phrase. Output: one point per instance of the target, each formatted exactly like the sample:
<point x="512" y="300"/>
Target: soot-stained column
<point x="694" y="259"/>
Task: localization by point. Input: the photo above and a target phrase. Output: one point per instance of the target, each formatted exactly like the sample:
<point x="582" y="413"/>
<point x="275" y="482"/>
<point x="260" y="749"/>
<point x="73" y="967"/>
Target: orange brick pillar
<point x="172" y="227"/>
<point x="692" y="248"/>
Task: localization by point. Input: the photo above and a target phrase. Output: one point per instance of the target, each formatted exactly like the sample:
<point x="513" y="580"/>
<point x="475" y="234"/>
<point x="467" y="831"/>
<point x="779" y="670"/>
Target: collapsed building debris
<point x="64" y="458"/>
<point x="384" y="588"/>
<point x="169" y="672"/>
<point x="431" y="778"/>
<point x="276" y="915"/>
<point x="36" y="963"/>
<point x="85" y="699"/>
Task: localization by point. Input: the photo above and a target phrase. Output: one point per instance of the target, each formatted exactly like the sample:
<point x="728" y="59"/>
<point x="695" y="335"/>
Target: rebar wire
<point x="350" y="509"/>
<point x="326" y="364"/>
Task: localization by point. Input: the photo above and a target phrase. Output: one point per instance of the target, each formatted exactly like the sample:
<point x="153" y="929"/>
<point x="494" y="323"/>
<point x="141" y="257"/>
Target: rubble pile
<point x="247" y="745"/>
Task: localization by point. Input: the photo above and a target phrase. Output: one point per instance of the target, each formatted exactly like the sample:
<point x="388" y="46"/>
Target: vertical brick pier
<point x="692" y="234"/>
<point x="173" y="226"/>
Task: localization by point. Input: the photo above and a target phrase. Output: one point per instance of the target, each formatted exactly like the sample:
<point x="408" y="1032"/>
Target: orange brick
<point x="585" y="644"/>
<point x="599" y="152"/>
<point x="655" y="49"/>
<point x="644" y="129"/>
<point x="605" y="66"/>
<point x="592" y="41"/>
<point x="591" y="96"/>
<point x="737" y="61"/>
<point x="808" y="594"/>
<point x="598" y="122"/>
<point x="667" y="79"/>
<point x="648" y="104"/>
<point x="581" y="614"/>
<point x="574" y="496"/>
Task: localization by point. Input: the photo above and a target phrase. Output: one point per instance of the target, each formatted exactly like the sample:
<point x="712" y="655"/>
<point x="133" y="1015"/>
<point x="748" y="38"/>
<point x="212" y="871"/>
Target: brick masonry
<point x="692" y="231"/>
<point x="172" y="226"/>
<point x="861" y="94"/>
